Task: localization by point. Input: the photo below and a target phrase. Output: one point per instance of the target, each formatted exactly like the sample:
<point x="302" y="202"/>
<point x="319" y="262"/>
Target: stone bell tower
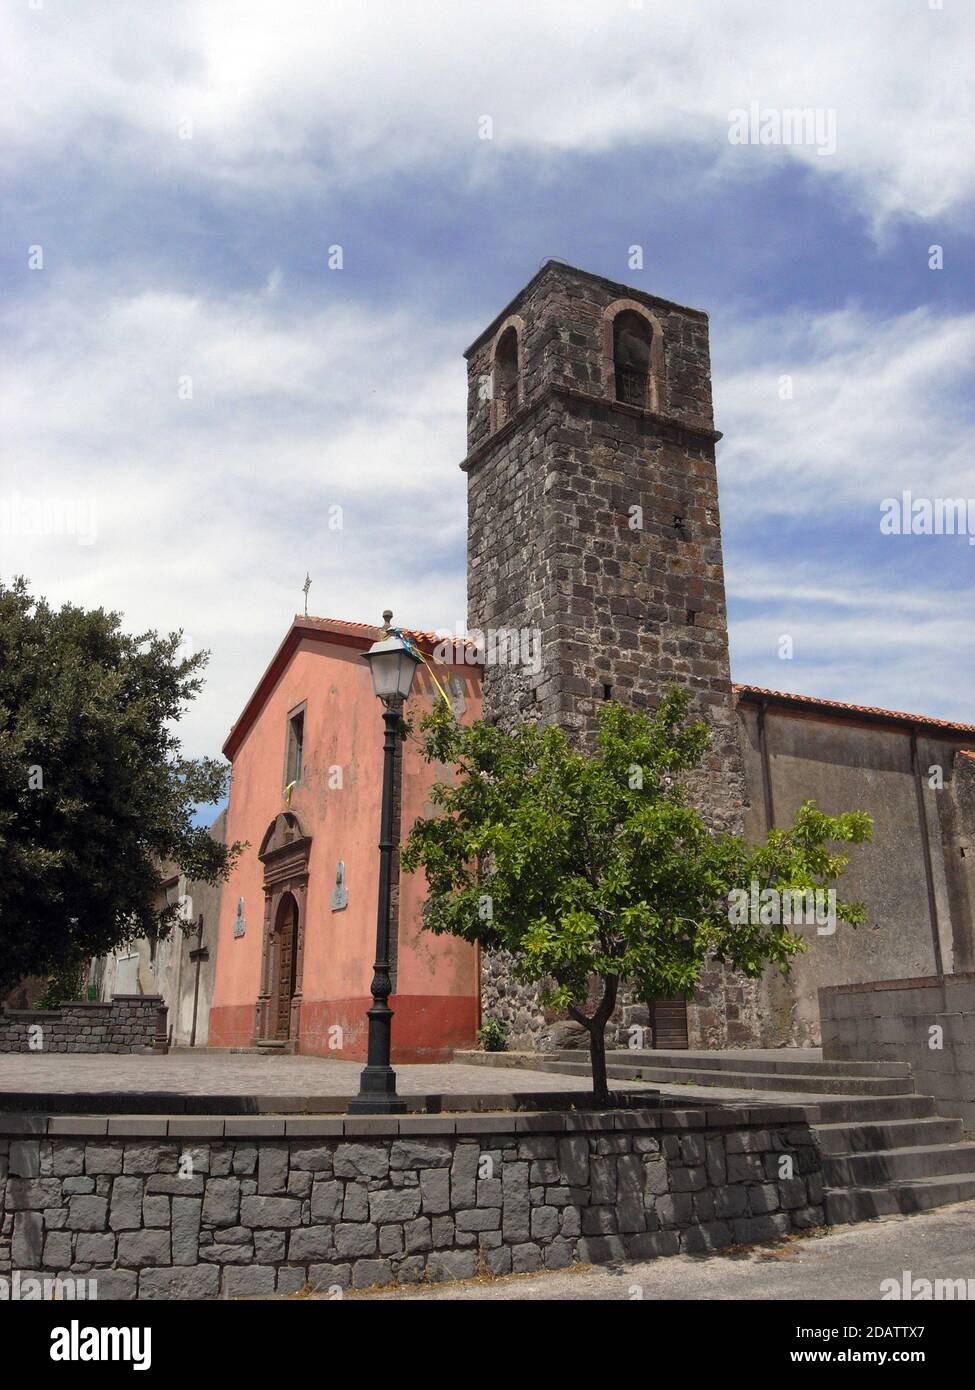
<point x="593" y="521"/>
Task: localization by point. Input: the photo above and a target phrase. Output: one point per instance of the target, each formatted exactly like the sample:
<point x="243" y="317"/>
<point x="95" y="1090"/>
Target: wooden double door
<point x="284" y="967"/>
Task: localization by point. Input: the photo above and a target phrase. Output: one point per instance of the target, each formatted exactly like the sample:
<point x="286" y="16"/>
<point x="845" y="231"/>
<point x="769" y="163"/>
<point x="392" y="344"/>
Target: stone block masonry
<point x="127" y="1024"/>
<point x="928" y="1022"/>
<point x="594" y="522"/>
<point x="219" y="1207"/>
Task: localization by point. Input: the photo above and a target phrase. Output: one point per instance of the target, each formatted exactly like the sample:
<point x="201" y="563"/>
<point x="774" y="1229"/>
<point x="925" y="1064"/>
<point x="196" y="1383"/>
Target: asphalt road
<point x="851" y="1263"/>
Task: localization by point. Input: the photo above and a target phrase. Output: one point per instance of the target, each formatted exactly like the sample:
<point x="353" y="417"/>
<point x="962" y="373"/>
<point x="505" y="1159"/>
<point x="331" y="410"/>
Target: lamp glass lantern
<point x="393" y="666"/>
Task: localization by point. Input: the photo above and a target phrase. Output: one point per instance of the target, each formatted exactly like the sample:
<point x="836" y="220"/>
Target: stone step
<point x="846" y="1137"/>
<point x="874" y="1109"/>
<point x="718" y="1061"/>
<point x="746" y="1080"/>
<point x="890" y="1165"/>
<point x="847" y="1109"/>
<point x="885" y="1151"/>
<point x="905" y="1197"/>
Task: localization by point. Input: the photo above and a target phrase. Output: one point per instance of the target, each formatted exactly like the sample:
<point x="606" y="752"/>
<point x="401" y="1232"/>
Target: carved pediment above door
<point x="284" y="850"/>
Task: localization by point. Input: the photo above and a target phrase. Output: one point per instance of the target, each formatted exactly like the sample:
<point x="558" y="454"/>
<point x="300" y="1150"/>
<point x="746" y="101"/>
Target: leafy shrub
<point x="493" y="1035"/>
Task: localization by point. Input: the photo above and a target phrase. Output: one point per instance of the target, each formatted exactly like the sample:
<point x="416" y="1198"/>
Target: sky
<point x="199" y="405"/>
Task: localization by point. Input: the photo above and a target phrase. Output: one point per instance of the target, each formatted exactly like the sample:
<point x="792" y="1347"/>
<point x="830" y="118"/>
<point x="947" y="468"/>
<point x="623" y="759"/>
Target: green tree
<point x="94" y="792"/>
<point x="584" y="866"/>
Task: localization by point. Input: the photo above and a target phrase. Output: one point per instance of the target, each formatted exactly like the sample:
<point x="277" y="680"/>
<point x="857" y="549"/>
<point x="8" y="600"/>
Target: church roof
<point x="868" y="712"/>
<point x="371" y="633"/>
<point x="325" y="630"/>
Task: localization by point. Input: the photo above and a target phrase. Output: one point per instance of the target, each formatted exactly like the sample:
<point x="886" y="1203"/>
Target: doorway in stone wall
<point x="668" y="1024"/>
<point x="284" y="853"/>
<point x="284" y="966"/>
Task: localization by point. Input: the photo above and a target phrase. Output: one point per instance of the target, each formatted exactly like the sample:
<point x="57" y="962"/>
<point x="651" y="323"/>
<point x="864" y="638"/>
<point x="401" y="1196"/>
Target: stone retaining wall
<point x="928" y="1022"/>
<point x="195" y="1207"/>
<point x="127" y="1024"/>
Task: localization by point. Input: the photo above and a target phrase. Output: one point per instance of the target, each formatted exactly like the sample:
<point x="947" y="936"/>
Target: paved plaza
<point x="202" y="1073"/>
<point x="244" y="1074"/>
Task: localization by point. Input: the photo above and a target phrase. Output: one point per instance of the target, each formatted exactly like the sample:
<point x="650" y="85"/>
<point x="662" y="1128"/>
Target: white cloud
<point x="276" y="92"/>
<point x="855" y="637"/>
<point x="210" y="510"/>
<point x="879" y="405"/>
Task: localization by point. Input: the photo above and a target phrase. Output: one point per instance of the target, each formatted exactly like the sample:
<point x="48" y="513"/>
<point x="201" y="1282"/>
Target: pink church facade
<point x="297" y="927"/>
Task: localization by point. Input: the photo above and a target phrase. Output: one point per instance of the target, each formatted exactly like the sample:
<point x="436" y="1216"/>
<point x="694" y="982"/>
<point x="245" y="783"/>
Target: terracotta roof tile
<point x="759" y="692"/>
<point x="373" y="630"/>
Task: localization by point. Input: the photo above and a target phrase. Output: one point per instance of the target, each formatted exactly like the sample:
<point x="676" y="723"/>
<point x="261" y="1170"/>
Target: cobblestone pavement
<point x="850" y="1263"/>
<point x="223" y="1073"/>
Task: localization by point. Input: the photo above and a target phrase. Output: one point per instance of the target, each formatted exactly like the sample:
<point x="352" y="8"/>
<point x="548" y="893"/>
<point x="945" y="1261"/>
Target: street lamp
<point x="392" y="664"/>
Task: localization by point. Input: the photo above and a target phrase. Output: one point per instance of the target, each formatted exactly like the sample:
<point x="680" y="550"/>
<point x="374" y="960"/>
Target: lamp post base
<point x="377" y="1094"/>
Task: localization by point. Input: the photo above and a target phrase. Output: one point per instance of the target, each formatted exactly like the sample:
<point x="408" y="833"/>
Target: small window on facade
<point x="506" y="377"/>
<point x="631" y="357"/>
<point x="296" y="744"/>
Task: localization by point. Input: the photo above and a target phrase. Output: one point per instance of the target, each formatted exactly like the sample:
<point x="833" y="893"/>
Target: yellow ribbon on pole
<point x="409" y="642"/>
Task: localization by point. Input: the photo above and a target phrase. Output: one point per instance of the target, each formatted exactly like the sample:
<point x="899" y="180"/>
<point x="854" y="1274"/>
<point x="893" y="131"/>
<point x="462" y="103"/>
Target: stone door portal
<point x="284" y="853"/>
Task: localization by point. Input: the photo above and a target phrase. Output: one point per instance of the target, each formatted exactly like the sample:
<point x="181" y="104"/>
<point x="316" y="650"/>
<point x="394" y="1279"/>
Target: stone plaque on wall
<point x="240" y="923"/>
<point x="340" y="894"/>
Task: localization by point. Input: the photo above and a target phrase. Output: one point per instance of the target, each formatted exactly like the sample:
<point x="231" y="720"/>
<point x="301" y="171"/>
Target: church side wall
<point x="853" y="766"/>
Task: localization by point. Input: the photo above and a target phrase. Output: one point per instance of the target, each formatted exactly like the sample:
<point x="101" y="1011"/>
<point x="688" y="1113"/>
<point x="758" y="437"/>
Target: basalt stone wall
<point x="928" y="1022"/>
<point x="229" y="1207"/>
<point x="595" y="523"/>
<point x="518" y="1006"/>
<point x="127" y="1024"/>
<point x="534" y="1028"/>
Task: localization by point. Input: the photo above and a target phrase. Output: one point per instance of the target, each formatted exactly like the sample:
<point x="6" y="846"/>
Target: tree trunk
<point x="597" y="1061"/>
<point x="596" y="1028"/>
